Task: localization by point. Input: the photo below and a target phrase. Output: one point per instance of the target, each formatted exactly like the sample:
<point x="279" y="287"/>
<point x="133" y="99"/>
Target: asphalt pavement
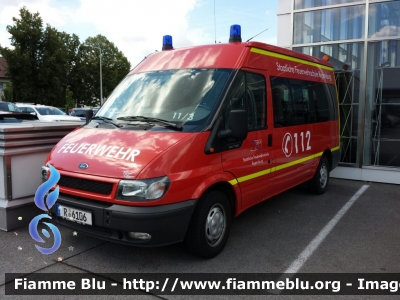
<point x="268" y="238"/>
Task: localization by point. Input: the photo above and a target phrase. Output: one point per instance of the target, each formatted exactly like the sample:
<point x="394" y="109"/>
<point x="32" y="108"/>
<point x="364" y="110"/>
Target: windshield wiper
<point x="147" y="119"/>
<point x="106" y="120"/>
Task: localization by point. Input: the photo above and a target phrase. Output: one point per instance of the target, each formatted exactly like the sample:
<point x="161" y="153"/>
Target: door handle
<point x="270" y="140"/>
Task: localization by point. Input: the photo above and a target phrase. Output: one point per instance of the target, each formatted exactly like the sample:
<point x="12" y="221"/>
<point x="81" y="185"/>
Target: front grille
<point x="87" y="185"/>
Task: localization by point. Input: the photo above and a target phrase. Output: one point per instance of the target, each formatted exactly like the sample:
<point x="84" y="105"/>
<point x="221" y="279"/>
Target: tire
<point x="210" y="225"/>
<point x="319" y="183"/>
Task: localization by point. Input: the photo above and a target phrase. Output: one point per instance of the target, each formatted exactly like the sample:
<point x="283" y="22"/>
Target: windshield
<point x="184" y="97"/>
<point x="45" y="111"/>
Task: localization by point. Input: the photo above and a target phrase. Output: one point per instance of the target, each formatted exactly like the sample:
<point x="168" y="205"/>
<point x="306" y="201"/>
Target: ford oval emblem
<point x="83" y="166"/>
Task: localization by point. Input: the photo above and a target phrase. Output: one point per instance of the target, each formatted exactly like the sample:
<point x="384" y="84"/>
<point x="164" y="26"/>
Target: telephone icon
<point x="287" y="144"/>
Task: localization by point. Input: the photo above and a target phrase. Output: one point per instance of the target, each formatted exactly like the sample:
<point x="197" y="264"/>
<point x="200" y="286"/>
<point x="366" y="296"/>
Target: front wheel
<point x="319" y="183"/>
<point x="210" y="225"/>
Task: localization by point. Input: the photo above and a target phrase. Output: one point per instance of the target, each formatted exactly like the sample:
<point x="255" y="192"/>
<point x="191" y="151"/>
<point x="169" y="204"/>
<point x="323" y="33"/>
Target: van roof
<point x="230" y="55"/>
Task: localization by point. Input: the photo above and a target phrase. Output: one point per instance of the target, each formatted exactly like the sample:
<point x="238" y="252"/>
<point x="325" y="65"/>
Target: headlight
<point x="45" y="173"/>
<point x="143" y="190"/>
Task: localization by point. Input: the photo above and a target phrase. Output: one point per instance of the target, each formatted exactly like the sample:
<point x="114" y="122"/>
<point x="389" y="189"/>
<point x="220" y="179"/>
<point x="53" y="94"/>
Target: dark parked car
<point x="81" y="112"/>
<point x="16" y="117"/>
<point x="7" y="106"/>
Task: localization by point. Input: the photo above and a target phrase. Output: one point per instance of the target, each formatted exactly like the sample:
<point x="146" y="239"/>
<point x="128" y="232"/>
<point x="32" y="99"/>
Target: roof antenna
<point x="215" y="26"/>
<point x="256" y="35"/>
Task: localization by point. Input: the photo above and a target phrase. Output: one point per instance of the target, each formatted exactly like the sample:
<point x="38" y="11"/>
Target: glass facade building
<point x="362" y="38"/>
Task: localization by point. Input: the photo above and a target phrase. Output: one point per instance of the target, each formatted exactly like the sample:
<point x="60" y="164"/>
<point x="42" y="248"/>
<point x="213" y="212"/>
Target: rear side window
<point x="334" y="103"/>
<point x="299" y="102"/>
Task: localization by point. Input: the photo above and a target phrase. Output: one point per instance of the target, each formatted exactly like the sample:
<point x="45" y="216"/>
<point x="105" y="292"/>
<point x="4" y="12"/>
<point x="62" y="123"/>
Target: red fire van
<point x="193" y="137"/>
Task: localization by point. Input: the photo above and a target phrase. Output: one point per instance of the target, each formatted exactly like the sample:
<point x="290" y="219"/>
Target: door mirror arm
<point x="89" y="115"/>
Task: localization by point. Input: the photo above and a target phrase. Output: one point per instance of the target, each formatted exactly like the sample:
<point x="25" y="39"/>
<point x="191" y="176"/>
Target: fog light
<point x="139" y="235"/>
<point x="45" y="173"/>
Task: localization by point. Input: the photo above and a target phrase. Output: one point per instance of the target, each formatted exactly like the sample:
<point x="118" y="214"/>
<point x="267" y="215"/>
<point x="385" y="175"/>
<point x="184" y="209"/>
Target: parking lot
<point x="316" y="234"/>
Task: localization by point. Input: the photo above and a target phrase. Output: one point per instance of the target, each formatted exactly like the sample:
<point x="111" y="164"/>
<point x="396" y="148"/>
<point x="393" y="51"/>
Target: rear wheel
<point x="210" y="224"/>
<point x="319" y="183"/>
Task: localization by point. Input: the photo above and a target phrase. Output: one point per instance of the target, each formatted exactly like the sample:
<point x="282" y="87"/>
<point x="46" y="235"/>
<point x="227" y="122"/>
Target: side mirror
<point x="33" y="113"/>
<point x="237" y="126"/>
<point x="89" y="115"/>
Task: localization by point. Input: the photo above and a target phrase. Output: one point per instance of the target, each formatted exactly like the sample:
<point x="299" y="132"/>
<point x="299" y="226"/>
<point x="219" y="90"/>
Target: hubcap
<point x="215" y="225"/>
<point x="323" y="179"/>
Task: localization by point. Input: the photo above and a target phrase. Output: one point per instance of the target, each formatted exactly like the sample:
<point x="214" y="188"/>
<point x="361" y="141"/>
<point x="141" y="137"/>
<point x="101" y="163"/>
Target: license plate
<point x="74" y="215"/>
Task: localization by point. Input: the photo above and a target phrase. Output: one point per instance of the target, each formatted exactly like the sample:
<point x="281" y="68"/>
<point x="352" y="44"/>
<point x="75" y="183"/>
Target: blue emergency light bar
<point x="167" y="42"/>
<point x="235" y="34"/>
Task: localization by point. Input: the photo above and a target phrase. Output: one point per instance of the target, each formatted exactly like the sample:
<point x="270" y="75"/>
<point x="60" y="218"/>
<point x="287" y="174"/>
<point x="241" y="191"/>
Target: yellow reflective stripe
<point x="255" y="175"/>
<point x="233" y="181"/>
<point x="295" y="162"/>
<point x="277" y="168"/>
<point x="285" y="57"/>
<point x="318" y="154"/>
<point x="336" y="148"/>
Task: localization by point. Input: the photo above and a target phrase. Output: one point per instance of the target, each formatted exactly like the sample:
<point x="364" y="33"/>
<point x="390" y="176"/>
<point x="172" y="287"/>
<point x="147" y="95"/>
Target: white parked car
<point x="46" y="113"/>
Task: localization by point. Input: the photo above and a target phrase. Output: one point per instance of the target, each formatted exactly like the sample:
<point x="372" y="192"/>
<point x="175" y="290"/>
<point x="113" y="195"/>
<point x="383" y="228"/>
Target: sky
<point x="136" y="27"/>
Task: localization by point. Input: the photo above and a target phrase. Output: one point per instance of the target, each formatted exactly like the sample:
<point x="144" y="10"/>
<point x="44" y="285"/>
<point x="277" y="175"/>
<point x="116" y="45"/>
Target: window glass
<point x="49" y="111"/>
<point x="303" y="111"/>
<point x="301" y="4"/>
<point x="186" y="97"/>
<point x="248" y="93"/>
<point x="80" y="112"/>
<point x="282" y="101"/>
<point x="382" y="109"/>
<point x="256" y="111"/>
<point x="27" y="109"/>
<point x="320" y="102"/>
<point x="343" y="23"/>
<point x="350" y="54"/>
<point x="384" y="19"/>
<point x="334" y="99"/>
<point x="5" y="106"/>
<point x="299" y="102"/>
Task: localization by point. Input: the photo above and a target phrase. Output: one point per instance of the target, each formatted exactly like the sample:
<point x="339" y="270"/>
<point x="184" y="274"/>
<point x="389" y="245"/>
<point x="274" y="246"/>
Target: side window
<point x="321" y="102"/>
<point x="29" y="109"/>
<point x="248" y="93"/>
<point x="282" y="102"/>
<point x="256" y="100"/>
<point x="298" y="102"/>
<point x="334" y="100"/>
<point x="301" y="109"/>
<point x="3" y="106"/>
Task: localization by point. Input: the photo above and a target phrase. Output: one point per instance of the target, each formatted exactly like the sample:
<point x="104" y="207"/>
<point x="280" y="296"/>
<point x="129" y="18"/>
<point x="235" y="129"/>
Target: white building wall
<point x="285" y="32"/>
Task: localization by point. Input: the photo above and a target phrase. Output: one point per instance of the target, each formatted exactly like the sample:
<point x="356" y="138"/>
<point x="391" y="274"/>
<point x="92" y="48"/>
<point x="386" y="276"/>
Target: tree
<point x="23" y="61"/>
<point x="115" y="66"/>
<point x="69" y="101"/>
<point x="8" y="92"/>
<point x="45" y="64"/>
<point x="53" y="71"/>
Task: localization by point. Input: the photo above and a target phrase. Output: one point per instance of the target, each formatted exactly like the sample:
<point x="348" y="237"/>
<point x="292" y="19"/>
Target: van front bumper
<point x="167" y="224"/>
